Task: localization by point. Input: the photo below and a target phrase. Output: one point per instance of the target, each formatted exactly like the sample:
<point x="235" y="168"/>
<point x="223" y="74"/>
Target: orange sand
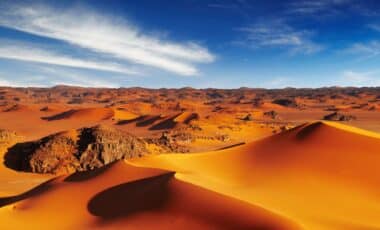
<point x="124" y="196"/>
<point x="320" y="175"/>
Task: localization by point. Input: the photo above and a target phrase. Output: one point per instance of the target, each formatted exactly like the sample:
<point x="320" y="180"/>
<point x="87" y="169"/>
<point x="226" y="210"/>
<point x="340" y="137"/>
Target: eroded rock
<point x="75" y="150"/>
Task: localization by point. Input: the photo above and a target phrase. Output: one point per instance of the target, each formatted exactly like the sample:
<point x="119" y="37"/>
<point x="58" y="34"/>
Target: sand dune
<point x="120" y="114"/>
<point x="16" y="108"/>
<point x="186" y="117"/>
<point x="160" y="122"/>
<point x="86" y="113"/>
<point x="124" y="196"/>
<point x="321" y="175"/>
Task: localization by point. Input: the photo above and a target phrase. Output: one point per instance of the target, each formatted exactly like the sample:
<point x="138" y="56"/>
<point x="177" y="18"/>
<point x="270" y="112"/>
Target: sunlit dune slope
<point x="122" y="196"/>
<point x="120" y="114"/>
<point x="321" y="175"/>
<point x="86" y="113"/>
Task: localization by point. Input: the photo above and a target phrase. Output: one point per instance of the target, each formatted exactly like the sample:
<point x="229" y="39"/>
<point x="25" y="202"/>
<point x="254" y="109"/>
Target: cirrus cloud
<point x="107" y="36"/>
<point x="26" y="52"/>
<point x="278" y="34"/>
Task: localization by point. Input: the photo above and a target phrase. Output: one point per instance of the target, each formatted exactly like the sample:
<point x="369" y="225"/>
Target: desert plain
<point x="137" y="158"/>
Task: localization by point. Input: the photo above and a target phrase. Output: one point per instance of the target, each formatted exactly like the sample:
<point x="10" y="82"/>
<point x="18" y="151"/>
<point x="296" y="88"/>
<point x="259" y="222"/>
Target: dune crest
<point x="313" y="164"/>
<point x="122" y="196"/>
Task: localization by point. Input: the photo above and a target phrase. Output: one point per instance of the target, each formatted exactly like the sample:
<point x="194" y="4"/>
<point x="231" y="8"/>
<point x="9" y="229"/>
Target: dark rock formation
<point x="285" y="102"/>
<point x="271" y="114"/>
<point x="248" y="117"/>
<point x="76" y="150"/>
<point x="338" y="117"/>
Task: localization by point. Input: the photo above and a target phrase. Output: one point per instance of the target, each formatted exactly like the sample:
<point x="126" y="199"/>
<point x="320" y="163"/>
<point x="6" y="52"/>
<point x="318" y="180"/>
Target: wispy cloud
<point x="23" y="81"/>
<point x="47" y="76"/>
<point x="375" y="27"/>
<point x="323" y="9"/>
<point x="279" y="35"/>
<point x="29" y="53"/>
<point x="313" y="7"/>
<point x="365" y="50"/>
<point x="279" y="82"/>
<point x="223" y="6"/>
<point x="107" y="36"/>
<point x="360" y="78"/>
<point x="4" y="82"/>
<point x="63" y="76"/>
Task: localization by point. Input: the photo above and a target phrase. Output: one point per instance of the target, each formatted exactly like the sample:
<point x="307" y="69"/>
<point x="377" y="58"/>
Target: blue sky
<point x="197" y="43"/>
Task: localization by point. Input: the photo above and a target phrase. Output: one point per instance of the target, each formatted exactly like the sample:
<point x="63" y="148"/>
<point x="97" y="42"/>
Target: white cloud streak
<point x="23" y="52"/>
<point x="375" y="27"/>
<point x="7" y="83"/>
<point x="312" y="7"/>
<point x="358" y="78"/>
<point x="61" y="76"/>
<point x="107" y="36"/>
<point x="367" y="50"/>
<point x="279" y="35"/>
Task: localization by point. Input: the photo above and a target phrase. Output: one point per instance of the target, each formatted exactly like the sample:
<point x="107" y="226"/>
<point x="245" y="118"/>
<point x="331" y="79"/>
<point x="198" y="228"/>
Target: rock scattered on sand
<point x="271" y="114"/>
<point x="168" y="142"/>
<point x="248" y="117"/>
<point x="285" y="102"/>
<point x="339" y="117"/>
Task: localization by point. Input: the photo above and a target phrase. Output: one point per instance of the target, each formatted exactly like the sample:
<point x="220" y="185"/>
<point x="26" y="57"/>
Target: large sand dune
<point x="247" y="168"/>
<point x="321" y="175"/>
<point x="124" y="196"/>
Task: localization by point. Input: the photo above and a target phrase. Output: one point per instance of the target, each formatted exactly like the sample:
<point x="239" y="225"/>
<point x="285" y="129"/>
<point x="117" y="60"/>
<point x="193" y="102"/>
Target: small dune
<point x="141" y="121"/>
<point x="120" y="114"/>
<point x="86" y="113"/>
<point x="186" y="117"/>
<point x="160" y="122"/>
<point x="16" y="108"/>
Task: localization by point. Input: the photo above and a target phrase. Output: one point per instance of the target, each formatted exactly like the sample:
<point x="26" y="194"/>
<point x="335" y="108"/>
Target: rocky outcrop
<point x="338" y="117"/>
<point x="76" y="150"/>
<point x="103" y="145"/>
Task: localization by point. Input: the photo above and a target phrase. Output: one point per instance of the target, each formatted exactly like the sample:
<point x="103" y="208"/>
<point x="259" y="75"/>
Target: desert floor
<point x="215" y="159"/>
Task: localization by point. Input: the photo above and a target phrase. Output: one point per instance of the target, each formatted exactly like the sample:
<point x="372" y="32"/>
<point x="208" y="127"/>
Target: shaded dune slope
<point x="122" y="196"/>
<point x="161" y="122"/>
